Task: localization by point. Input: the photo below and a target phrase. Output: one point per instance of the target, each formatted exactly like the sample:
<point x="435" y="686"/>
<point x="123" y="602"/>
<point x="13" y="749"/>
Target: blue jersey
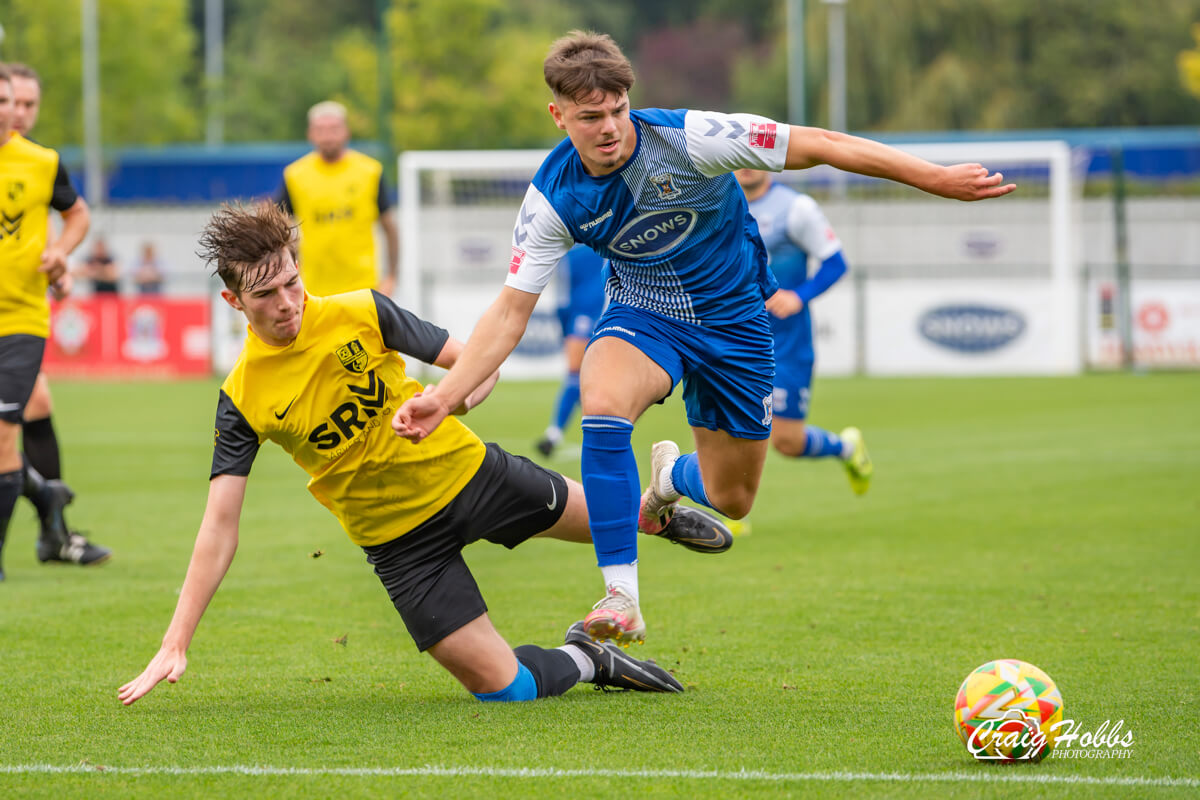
<point x="583" y="289"/>
<point x="671" y="220"/>
<point x="794" y="229"/>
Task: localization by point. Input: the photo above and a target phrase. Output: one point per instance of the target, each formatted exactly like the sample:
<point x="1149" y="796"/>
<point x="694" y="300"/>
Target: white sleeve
<point x="720" y="143"/>
<point x="540" y="240"/>
<point x="808" y="228"/>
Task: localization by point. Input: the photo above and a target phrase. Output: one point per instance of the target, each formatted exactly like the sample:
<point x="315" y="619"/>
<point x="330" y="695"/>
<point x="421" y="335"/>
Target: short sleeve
<point x="405" y="332"/>
<point x="719" y="143"/>
<point x="540" y="240"/>
<point x="235" y="443"/>
<point x="809" y="229"/>
<point x="64" y="195"/>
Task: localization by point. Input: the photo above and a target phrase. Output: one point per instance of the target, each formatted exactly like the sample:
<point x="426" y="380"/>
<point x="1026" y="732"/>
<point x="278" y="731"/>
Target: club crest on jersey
<point x="665" y="184"/>
<point x="353" y="356"/>
<point x="15" y="190"/>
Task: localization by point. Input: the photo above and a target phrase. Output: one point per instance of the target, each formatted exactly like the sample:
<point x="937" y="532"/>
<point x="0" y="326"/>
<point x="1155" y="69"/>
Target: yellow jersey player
<point x="33" y="182"/>
<point x="321" y="377"/>
<point x="44" y="486"/>
<point x="337" y="195"/>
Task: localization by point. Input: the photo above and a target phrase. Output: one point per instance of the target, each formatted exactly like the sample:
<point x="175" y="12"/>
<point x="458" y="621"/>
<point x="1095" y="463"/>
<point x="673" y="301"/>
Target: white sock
<point x="587" y="668"/>
<point x="554" y="434"/>
<point x="666" y="486"/>
<point x="847" y="449"/>
<point x="623" y="577"/>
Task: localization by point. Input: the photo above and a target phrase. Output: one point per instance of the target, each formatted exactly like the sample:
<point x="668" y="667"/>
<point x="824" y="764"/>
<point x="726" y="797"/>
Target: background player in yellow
<point x="321" y="377"/>
<point x="337" y="195"/>
<point x="31" y="183"/>
<point x="39" y="442"/>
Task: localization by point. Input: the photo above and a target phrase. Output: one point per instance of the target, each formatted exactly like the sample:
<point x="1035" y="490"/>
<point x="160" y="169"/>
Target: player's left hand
<point x="970" y="182"/>
<point x="54" y="263"/>
<point x="168" y="664"/>
<point x="61" y="288"/>
<point x="419" y="415"/>
<point x="784" y="303"/>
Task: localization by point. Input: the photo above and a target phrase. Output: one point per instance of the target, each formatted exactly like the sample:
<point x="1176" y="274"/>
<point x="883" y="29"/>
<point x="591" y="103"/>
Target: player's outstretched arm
<point x="495" y="336"/>
<point x="215" y="545"/>
<point x="446" y="360"/>
<point x="808" y="147"/>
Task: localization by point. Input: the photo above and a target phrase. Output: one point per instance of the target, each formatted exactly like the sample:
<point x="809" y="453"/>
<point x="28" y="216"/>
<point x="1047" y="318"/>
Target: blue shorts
<point x="726" y="369"/>
<point x="792" y="382"/>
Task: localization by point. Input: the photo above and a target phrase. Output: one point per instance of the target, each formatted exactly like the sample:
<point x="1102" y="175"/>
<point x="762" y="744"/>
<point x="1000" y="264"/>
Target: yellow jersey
<point x="337" y="206"/>
<point x="33" y="183"/>
<point x="328" y="399"/>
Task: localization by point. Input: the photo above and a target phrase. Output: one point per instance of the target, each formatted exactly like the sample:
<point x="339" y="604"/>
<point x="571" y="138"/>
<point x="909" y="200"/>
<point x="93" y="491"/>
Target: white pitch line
<point x="536" y="772"/>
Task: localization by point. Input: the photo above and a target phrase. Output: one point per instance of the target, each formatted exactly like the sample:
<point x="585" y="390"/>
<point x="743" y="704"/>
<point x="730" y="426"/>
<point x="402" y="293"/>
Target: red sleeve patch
<point x="518" y="258"/>
<point x="762" y="134"/>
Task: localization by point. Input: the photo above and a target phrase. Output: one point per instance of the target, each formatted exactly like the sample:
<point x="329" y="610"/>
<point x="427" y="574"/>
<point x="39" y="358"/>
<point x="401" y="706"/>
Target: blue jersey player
<point x="652" y="190"/>
<point x="583" y="300"/>
<point x="794" y="230"/>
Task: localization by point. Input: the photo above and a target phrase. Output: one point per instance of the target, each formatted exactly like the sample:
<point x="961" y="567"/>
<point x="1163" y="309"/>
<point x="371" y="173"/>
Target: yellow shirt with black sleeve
<point x="337" y="206"/>
<point x="33" y="183"/>
<point x="328" y="399"/>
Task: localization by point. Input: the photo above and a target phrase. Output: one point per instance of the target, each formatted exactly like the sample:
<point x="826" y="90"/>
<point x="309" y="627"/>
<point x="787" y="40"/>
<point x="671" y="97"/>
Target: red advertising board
<point x="105" y="336"/>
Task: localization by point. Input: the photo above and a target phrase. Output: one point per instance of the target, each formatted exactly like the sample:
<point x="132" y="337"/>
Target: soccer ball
<point x="1006" y="710"/>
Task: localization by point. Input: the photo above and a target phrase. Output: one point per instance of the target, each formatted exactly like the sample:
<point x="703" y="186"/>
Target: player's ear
<point x="557" y="114"/>
<point x="232" y="299"/>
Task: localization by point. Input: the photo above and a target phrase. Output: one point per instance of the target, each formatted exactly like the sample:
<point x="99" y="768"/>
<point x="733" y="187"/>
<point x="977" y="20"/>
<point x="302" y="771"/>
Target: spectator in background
<point x="337" y="195"/>
<point x="148" y="277"/>
<point x="101" y="269"/>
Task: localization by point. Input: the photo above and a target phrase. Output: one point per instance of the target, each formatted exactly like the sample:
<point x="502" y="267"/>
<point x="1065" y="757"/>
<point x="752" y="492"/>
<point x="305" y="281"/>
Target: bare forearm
<point x="76" y="221"/>
<point x="391" y="236"/>
<point x="495" y="336"/>
<point x="211" y="558"/>
<point x="808" y="147"/>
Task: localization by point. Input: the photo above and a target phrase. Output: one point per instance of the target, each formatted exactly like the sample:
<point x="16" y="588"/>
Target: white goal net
<point x="935" y="287"/>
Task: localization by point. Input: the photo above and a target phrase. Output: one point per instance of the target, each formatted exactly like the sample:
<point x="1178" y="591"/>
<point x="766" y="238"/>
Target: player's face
<point x="27" y="100"/>
<point x="599" y="128"/>
<point x="6" y="108"/>
<point x="275" y="308"/>
<point x="752" y="181"/>
<point x="330" y="134"/>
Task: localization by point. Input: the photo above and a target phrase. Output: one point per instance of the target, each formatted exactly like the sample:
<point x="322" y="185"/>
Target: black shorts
<point x="20" y="363"/>
<point x="509" y="500"/>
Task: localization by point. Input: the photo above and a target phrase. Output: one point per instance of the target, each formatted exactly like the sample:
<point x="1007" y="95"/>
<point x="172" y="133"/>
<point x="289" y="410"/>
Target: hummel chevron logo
<point x="523" y="219"/>
<point x="718" y="126"/>
<point x="282" y="414"/>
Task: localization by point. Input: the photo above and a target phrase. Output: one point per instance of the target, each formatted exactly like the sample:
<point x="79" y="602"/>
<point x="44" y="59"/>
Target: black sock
<point x="553" y="670"/>
<point x="40" y="445"/>
<point x="10" y="490"/>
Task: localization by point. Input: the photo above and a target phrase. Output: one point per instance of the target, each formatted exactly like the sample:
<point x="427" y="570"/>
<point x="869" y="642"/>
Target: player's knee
<point x="734" y="502"/>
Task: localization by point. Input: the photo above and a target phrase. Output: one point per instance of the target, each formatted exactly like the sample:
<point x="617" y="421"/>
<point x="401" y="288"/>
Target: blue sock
<point x="820" y="443"/>
<point x="686" y="477"/>
<point x="610" y="485"/>
<point x="568" y="398"/>
<point x="523" y="687"/>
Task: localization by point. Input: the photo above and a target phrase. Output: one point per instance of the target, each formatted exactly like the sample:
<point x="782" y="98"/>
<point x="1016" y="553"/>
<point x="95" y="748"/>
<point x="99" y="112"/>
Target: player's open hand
<point x="419" y="415"/>
<point x="971" y="182"/>
<point x="167" y="663"/>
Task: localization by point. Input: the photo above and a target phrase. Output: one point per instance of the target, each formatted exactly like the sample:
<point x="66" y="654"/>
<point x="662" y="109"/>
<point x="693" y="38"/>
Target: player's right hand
<point x="419" y="415"/>
<point x="167" y="663"/>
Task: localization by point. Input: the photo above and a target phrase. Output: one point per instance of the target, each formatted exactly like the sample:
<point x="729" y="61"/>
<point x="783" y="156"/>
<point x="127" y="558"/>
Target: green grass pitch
<point x="1052" y="520"/>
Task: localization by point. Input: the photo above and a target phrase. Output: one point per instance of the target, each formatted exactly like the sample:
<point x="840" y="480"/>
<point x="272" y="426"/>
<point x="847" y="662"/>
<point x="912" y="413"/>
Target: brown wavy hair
<point x="583" y="63"/>
<point x="245" y="244"/>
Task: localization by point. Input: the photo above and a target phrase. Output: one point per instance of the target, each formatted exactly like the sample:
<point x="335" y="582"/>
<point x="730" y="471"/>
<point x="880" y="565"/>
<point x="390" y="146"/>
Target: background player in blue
<point x="583" y="300"/>
<point x="653" y="191"/>
<point x="794" y="229"/>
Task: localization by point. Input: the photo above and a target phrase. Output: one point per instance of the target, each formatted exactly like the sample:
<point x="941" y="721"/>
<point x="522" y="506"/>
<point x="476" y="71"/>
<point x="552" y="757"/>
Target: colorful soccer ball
<point x="1006" y="710"/>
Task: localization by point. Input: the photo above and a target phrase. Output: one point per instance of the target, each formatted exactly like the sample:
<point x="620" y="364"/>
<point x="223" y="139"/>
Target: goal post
<point x="939" y="286"/>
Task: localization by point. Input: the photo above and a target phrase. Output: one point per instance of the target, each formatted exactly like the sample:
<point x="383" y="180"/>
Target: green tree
<point x="1189" y="65"/>
<point x="147" y="66"/>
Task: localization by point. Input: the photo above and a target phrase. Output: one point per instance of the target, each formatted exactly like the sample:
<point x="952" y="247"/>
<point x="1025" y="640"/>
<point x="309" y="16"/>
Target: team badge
<point x="665" y="184"/>
<point x="15" y="190"/>
<point x="353" y="356"/>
